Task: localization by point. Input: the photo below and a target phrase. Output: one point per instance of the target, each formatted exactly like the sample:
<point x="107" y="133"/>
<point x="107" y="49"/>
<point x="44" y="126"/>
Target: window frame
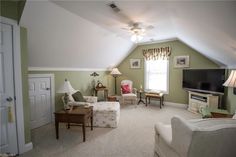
<point x="168" y="78"/>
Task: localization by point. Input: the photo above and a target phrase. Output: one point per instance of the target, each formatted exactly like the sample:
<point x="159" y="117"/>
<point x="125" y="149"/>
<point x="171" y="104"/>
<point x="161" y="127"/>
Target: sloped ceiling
<point x="59" y="39"/>
<point x="91" y="35"/>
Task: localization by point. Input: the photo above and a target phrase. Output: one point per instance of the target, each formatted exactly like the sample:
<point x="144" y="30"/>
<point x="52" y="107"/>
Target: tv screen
<point x="204" y="80"/>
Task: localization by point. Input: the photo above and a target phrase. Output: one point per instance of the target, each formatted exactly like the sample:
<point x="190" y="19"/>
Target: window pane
<point x="156" y="75"/>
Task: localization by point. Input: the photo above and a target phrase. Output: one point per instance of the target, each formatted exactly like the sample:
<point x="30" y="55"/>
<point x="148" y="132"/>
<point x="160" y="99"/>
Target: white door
<point x="40" y="101"/>
<point x="8" y="136"/>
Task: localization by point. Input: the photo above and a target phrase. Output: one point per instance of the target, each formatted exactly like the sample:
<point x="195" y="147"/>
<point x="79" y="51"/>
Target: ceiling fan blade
<point x="149" y="27"/>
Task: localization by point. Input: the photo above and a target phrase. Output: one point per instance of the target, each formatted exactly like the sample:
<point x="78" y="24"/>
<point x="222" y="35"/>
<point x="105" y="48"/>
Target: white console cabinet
<point x="199" y="100"/>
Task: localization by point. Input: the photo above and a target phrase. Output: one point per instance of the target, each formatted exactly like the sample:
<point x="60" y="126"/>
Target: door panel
<point x="40" y="101"/>
<point x="1" y="73"/>
<point x="3" y="130"/>
<point x="8" y="135"/>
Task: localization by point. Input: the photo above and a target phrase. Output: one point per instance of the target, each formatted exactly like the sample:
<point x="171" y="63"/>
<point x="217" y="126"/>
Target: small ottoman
<point x="106" y="114"/>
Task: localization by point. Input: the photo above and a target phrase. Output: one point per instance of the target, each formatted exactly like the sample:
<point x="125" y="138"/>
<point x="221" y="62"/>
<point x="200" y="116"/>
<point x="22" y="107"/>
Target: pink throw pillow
<point x="125" y="89"/>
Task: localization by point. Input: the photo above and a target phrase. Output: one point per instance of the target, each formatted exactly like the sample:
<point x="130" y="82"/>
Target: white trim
<point x="18" y="83"/>
<point x="157" y="41"/>
<point x="63" y="69"/>
<point x="28" y="147"/>
<point x="52" y="84"/>
<point x="173" y="104"/>
<point x="8" y="21"/>
<point x="231" y="67"/>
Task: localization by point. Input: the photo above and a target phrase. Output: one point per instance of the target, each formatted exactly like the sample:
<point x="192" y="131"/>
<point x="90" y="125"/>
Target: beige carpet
<point x="134" y="136"/>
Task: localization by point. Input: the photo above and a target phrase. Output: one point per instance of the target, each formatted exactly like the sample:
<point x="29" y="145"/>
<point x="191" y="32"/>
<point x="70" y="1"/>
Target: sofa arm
<point x="182" y="132"/>
<point x="78" y="103"/>
<point x="164" y="131"/>
<point x="91" y="99"/>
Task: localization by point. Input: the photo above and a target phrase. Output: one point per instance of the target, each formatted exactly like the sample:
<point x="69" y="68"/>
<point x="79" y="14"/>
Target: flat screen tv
<point x="204" y="80"/>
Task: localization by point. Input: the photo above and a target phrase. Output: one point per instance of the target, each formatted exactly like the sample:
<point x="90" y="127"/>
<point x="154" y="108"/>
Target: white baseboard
<point x="28" y="147"/>
<point x="173" y="104"/>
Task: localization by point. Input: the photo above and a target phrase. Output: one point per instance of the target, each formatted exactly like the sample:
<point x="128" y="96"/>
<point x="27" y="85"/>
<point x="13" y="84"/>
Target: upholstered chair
<point x="212" y="137"/>
<point x="128" y="93"/>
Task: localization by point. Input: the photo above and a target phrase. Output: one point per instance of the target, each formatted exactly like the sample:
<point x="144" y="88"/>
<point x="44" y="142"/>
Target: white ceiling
<point x="88" y="30"/>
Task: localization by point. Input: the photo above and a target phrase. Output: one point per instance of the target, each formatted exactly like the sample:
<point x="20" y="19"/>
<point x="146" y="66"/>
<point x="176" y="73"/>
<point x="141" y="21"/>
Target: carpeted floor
<point x="134" y="136"/>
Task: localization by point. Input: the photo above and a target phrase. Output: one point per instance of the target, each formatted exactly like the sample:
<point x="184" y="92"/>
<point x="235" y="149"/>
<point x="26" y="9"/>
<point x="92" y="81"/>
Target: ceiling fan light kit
<point x="136" y="38"/>
<point x="137" y="29"/>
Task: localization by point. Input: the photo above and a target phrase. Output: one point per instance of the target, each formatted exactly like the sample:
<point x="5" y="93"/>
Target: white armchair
<point x="131" y="94"/>
<point x="196" y="138"/>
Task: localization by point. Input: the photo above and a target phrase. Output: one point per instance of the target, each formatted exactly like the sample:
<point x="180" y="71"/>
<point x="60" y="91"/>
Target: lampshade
<point x="231" y="81"/>
<point x="66" y="88"/>
<point x="115" y="72"/>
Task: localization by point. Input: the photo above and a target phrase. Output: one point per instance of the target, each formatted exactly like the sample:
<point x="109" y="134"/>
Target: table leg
<point x="91" y="119"/>
<point x="83" y="127"/>
<point x="160" y="102"/>
<point x="57" y="129"/>
<point x="149" y="99"/>
<point x="163" y="100"/>
<point x="146" y="100"/>
<point x="68" y="125"/>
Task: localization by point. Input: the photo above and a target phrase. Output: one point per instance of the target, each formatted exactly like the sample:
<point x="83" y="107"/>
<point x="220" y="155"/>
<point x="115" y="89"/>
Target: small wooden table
<point x="111" y="98"/>
<point x="155" y="96"/>
<point x="78" y="115"/>
<point x="140" y="97"/>
<point x="101" y="89"/>
<point x="221" y="115"/>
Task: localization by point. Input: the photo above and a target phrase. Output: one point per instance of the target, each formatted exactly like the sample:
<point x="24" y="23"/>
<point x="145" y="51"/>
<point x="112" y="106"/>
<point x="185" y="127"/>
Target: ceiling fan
<point x="137" y="29"/>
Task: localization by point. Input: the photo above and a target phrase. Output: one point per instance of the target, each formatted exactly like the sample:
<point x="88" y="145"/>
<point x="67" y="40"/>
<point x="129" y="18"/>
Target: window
<point x="157" y="75"/>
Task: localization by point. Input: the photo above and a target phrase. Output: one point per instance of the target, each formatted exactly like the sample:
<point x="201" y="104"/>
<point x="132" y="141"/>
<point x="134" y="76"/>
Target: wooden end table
<point x="221" y="115"/>
<point x="159" y="96"/>
<point x="78" y="115"/>
<point x="111" y="98"/>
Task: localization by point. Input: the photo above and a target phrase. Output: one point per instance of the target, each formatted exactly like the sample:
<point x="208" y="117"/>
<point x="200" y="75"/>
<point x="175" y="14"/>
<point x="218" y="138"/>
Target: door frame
<point x="22" y="146"/>
<point x="52" y="83"/>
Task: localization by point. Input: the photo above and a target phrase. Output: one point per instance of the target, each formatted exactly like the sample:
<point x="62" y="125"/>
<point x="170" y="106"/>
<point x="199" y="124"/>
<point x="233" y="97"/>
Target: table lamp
<point x="115" y="73"/>
<point x="67" y="89"/>
<point x="231" y="81"/>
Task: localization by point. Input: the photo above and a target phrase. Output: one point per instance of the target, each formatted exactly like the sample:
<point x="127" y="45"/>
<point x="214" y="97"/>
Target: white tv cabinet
<point x="199" y="100"/>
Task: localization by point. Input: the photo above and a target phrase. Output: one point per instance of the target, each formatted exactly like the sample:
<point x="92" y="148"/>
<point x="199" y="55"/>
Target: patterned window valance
<point x="162" y="53"/>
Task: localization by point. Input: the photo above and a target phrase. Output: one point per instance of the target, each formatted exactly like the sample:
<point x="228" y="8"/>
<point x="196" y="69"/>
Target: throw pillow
<point x="125" y="89"/>
<point x="205" y="111"/>
<point x="78" y="97"/>
<point x="71" y="99"/>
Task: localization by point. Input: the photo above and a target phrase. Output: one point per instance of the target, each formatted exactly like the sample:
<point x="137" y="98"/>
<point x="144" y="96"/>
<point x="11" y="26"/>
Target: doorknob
<point x="9" y="99"/>
<point x="47" y="88"/>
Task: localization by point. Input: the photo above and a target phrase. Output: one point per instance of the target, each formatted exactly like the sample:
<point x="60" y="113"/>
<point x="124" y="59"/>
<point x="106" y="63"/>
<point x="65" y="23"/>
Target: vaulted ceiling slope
<point x="59" y="39"/>
<point x="90" y="29"/>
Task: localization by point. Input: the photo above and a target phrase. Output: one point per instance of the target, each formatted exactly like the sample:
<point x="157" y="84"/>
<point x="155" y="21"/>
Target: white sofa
<point x="105" y="114"/>
<point x="196" y="138"/>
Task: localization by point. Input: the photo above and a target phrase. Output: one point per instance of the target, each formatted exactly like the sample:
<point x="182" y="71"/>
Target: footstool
<point x="106" y="114"/>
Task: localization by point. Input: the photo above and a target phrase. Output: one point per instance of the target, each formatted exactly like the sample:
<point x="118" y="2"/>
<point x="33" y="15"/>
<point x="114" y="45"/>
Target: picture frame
<point x="135" y="63"/>
<point x="181" y="61"/>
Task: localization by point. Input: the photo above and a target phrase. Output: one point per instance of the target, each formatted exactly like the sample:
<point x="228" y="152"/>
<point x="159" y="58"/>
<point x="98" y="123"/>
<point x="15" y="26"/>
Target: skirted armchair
<point x="128" y="93"/>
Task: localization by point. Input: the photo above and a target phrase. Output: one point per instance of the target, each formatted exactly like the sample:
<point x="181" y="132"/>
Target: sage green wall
<point x="12" y="8"/>
<point x="80" y="80"/>
<point x="176" y="93"/>
<point x="24" y="71"/>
